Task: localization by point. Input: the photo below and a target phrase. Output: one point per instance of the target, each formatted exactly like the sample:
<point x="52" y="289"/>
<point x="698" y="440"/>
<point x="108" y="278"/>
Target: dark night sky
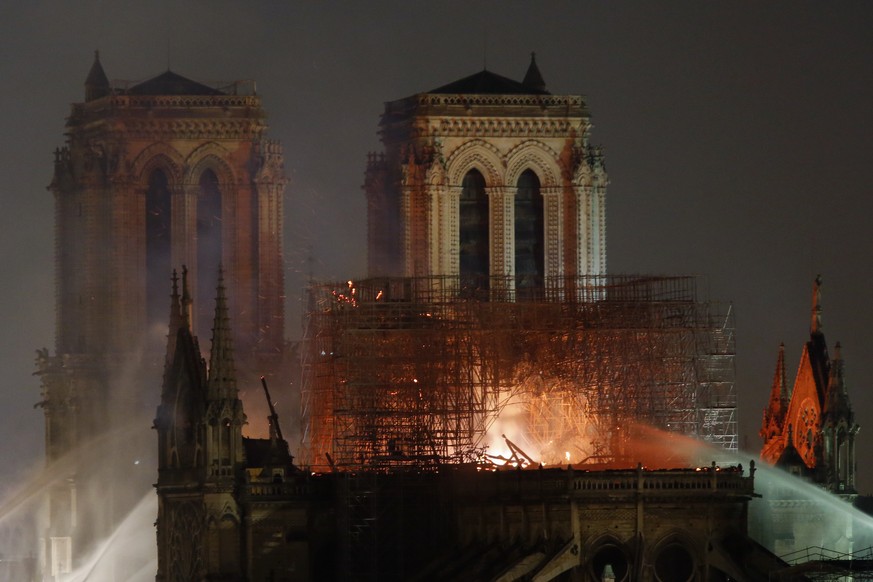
<point x="739" y="141"/>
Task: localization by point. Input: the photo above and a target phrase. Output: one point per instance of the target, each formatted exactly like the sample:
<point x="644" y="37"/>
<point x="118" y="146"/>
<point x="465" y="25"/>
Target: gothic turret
<point x="838" y="431"/>
<point x="175" y="320"/>
<point x="97" y="83"/>
<point x="222" y="372"/>
<point x="774" y="414"/>
<point x="813" y="421"/>
<point x="224" y="415"/>
<point x="533" y="78"/>
<point x="837" y="407"/>
<point x="180" y="414"/>
<point x="816" y="346"/>
<point x="201" y="451"/>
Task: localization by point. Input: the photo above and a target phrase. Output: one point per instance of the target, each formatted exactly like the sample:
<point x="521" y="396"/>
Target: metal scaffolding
<point x="414" y="371"/>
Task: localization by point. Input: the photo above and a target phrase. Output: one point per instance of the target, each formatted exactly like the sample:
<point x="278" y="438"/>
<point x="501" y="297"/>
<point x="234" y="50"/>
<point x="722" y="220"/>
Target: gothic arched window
<point x="208" y="248"/>
<point x="473" y="253"/>
<point x="157" y="225"/>
<point x="529" y="237"/>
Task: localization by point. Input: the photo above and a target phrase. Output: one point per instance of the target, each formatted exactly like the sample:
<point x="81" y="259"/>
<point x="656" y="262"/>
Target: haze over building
<point x="207" y="309"/>
<point x="157" y="174"/>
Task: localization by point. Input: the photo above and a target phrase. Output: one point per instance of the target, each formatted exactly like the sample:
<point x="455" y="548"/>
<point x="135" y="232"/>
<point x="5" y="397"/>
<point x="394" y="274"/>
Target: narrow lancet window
<point x="529" y="238"/>
<point x="158" y="244"/>
<point x="474" y="235"/>
<point x="208" y="248"/>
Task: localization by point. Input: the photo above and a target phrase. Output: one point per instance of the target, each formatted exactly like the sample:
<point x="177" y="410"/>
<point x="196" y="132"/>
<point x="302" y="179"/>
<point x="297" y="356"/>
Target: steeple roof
<point x="815" y="320"/>
<point x="816" y="347"/>
<point x="533" y="78"/>
<point x="487" y="83"/>
<point x="175" y="319"/>
<point x="170" y="83"/>
<point x="96" y="83"/>
<point x="774" y="414"/>
<point x="222" y="372"/>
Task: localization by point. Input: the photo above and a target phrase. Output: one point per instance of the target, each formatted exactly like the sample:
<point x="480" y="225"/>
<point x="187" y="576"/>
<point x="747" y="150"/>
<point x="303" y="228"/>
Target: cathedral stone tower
<point x="155" y="174"/>
<point x="491" y="180"/>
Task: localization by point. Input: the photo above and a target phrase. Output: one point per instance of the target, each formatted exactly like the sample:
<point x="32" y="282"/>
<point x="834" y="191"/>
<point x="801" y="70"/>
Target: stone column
<point x="501" y="235"/>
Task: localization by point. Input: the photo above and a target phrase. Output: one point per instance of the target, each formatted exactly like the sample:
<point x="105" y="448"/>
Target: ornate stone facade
<point x="166" y="172"/>
<point x="153" y="175"/>
<point x="514" y="136"/>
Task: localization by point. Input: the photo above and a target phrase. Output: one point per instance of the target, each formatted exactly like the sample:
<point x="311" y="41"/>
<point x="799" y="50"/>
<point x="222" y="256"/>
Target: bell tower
<point x="154" y="174"/>
<point x="490" y="181"/>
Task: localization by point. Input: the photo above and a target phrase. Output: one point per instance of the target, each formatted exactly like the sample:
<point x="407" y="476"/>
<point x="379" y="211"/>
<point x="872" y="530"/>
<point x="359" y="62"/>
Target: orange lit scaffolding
<point x="415" y="371"/>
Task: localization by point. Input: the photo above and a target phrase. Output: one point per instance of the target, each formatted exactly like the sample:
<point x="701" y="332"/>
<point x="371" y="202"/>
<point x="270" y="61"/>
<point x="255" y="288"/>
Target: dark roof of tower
<point x="97" y="76"/>
<point x="170" y="83"/>
<point x="487" y="83"/>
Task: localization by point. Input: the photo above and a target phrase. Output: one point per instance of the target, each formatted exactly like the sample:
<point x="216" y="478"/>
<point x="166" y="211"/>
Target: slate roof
<point x="487" y="83"/>
<point x="263" y="453"/>
<point x="170" y="83"/>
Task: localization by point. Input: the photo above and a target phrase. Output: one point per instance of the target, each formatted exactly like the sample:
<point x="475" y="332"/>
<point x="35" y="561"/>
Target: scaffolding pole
<point x="414" y="371"/>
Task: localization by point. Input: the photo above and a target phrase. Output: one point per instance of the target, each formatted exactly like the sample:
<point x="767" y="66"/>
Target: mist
<point x="737" y="140"/>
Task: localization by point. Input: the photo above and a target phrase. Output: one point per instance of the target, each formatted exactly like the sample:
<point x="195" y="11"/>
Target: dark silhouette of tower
<point x="153" y="175"/>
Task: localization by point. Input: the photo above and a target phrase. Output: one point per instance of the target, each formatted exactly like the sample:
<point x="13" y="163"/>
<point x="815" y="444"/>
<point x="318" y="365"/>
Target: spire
<point x="779" y="376"/>
<point x="97" y="83"/>
<point x="774" y="414"/>
<point x="533" y="79"/>
<point x="185" y="315"/>
<point x="779" y="391"/>
<point x="222" y="373"/>
<point x="837" y="404"/>
<point x="815" y="324"/>
<point x="175" y="318"/>
<point x="175" y="306"/>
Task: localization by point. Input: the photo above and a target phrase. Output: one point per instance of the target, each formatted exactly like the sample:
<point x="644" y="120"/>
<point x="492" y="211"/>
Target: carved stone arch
<point x="675" y="556"/>
<point x="229" y="514"/>
<point x="271" y="167"/>
<point x="227" y="511"/>
<point x="583" y="175"/>
<point x="227" y="414"/>
<point x="475" y="154"/>
<point x="608" y="549"/>
<point x="536" y="156"/>
<point x="209" y="156"/>
<point x="436" y="174"/>
<point x="159" y="156"/>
